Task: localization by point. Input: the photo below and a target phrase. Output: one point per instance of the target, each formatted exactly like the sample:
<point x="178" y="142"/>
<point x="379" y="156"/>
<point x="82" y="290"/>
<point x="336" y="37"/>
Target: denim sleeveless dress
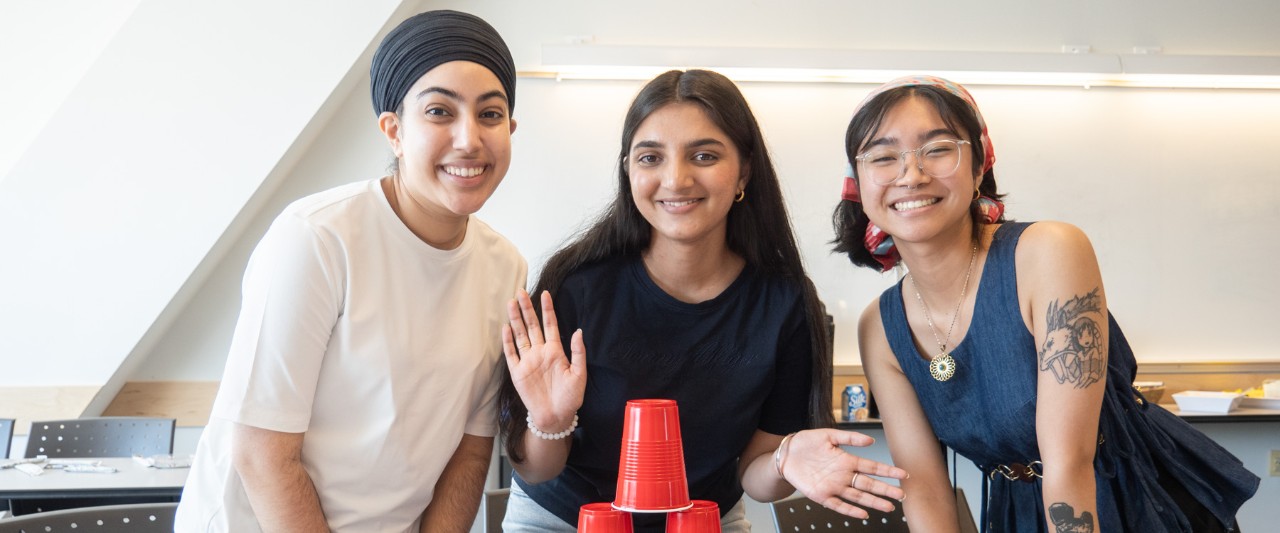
<point x="987" y="413"/>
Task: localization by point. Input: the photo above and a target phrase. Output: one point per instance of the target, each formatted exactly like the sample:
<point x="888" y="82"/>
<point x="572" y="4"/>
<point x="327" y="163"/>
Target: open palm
<point x="550" y="384"/>
<point x="840" y="481"/>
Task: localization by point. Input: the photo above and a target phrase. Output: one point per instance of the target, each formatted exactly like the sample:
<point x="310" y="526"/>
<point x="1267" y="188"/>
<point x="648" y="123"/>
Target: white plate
<point x="1261" y="403"/>
<point x="1207" y="401"/>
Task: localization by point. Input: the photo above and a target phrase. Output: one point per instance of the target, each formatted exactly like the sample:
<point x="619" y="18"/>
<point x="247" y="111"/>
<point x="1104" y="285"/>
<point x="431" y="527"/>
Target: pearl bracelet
<point x="780" y="455"/>
<point x="550" y="436"/>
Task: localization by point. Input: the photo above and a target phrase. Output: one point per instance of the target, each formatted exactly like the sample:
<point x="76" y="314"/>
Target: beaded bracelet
<point x="551" y="436"/>
<point x="780" y="455"/>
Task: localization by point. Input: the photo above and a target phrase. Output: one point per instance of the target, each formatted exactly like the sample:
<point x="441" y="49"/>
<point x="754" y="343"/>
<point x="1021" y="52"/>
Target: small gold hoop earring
<point x="741" y="194"/>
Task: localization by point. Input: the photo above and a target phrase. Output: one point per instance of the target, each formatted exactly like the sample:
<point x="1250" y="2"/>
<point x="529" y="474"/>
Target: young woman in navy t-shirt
<point x="688" y="287"/>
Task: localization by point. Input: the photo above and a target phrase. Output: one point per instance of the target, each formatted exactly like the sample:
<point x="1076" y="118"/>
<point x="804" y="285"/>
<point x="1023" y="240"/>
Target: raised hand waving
<point x="550" y="384"/>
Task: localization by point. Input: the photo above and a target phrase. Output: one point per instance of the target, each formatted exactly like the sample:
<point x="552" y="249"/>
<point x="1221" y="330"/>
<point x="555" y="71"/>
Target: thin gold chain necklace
<point x="943" y="366"/>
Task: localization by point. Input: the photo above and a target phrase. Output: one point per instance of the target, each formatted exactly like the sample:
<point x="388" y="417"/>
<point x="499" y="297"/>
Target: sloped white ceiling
<point x="186" y="112"/>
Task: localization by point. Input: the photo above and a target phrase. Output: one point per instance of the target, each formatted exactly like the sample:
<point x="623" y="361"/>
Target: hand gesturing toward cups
<point x="823" y="472"/>
<point x="550" y="384"/>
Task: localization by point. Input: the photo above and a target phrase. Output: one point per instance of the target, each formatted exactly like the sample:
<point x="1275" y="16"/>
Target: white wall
<point x="1169" y="184"/>
<point x="119" y="214"/>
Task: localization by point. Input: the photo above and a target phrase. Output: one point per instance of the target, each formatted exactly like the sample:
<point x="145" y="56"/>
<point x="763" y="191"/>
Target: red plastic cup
<point x="703" y="517"/>
<point x="603" y="518"/>
<point x="651" y="476"/>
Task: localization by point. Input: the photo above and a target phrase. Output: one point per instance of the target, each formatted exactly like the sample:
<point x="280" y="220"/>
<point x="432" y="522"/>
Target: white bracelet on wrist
<point x="780" y="455"/>
<point x="551" y="436"/>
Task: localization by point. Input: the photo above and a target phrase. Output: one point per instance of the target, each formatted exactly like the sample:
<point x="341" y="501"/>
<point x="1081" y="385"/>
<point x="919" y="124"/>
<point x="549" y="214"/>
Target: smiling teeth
<point x="678" y="204"/>
<point x="464" y="172"/>
<point x="914" y="204"/>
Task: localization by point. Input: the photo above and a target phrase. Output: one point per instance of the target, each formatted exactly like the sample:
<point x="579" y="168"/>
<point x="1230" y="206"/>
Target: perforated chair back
<point x="136" y="518"/>
<point x="495" y="509"/>
<point x="113" y="436"/>
<point x="6" y="436"/>
<point x="801" y="514"/>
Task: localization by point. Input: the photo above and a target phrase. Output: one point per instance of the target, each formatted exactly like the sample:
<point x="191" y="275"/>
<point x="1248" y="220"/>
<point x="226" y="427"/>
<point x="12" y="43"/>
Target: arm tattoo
<point x="1073" y="348"/>
<point x="1064" y="518"/>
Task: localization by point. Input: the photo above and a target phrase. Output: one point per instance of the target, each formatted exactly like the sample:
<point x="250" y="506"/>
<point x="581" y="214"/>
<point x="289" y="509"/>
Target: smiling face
<point x="684" y="174"/>
<point x="452" y="139"/>
<point x="917" y="206"/>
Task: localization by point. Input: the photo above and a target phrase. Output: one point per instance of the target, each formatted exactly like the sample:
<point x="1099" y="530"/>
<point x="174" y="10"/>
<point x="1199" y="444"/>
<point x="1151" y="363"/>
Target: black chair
<point x="6" y="436"/>
<point x="798" y="514"/>
<point x="794" y="515"/>
<point x="495" y="509"/>
<point x="6" y="440"/>
<point x="112" y="436"/>
<point x="136" y="518"/>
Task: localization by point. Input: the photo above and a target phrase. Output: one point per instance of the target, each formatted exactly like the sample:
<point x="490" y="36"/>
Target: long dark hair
<point x="849" y="220"/>
<point x="758" y="227"/>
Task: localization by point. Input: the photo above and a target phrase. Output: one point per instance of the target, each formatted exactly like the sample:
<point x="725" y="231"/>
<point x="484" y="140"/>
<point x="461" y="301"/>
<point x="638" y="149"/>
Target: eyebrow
<point x="453" y="95"/>
<point x="691" y="144"/>
<point x="894" y="140"/>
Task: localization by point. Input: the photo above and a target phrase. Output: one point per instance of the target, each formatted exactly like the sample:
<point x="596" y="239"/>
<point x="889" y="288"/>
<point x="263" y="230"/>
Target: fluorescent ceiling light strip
<point x="600" y="62"/>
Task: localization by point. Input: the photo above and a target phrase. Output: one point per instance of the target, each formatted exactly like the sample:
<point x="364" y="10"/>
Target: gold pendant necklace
<point x="942" y="366"/>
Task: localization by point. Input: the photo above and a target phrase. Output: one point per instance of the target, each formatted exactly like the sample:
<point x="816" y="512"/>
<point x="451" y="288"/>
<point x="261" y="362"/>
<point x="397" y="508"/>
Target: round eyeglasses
<point x="884" y="165"/>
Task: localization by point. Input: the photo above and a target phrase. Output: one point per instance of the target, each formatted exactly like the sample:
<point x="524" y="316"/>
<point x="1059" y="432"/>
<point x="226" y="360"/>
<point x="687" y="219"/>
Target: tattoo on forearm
<point x="1063" y="517"/>
<point x="1073" y="348"/>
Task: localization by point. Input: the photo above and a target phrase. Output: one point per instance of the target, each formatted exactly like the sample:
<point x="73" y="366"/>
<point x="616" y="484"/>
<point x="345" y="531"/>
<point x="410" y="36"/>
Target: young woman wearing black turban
<point x="358" y="394"/>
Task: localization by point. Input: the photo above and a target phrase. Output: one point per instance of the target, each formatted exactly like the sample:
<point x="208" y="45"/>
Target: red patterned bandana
<point x="879" y="243"/>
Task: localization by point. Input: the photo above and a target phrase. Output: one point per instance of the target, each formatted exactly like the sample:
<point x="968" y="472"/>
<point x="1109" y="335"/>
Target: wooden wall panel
<point x="187" y="401"/>
<point x="43" y="403"/>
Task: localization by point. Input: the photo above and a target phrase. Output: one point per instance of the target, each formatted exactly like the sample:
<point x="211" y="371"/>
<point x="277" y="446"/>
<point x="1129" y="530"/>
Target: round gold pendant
<point x="942" y="366"/>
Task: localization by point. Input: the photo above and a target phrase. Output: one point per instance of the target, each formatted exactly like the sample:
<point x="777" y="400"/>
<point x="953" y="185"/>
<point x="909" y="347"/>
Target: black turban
<point x="428" y="40"/>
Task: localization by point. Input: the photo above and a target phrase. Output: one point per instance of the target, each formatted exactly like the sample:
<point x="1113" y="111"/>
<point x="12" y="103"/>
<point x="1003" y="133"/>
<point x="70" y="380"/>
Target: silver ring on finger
<point x="854" y="483"/>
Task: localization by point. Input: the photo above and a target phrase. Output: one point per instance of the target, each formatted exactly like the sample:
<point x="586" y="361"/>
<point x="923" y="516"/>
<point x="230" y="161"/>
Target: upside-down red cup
<point x="651" y="476"/>
<point x="603" y="518"/>
<point x="703" y="517"/>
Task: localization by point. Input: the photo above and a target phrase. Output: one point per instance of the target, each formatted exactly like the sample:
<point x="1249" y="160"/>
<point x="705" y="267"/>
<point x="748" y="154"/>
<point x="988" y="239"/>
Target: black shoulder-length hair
<point x="849" y="220"/>
<point x="759" y="229"/>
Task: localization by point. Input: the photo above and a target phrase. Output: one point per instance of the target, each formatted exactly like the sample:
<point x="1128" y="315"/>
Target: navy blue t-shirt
<point x="739" y="362"/>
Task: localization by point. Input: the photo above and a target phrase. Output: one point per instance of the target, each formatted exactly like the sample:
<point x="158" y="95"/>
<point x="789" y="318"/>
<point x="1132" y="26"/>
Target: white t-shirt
<point x="382" y="349"/>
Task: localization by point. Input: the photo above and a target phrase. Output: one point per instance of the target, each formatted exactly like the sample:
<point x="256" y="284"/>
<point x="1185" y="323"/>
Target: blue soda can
<point x="855" y="403"/>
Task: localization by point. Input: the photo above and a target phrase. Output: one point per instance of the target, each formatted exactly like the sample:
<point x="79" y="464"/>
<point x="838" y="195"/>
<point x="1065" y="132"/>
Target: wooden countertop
<point x="1240" y="415"/>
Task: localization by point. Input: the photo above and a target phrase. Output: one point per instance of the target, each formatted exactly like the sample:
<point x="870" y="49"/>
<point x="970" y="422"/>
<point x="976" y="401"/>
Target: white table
<point x="1240" y="414"/>
<point x="130" y="479"/>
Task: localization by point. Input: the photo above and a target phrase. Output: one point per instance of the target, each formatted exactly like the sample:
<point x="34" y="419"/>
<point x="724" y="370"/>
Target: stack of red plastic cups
<point x="651" y="476"/>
